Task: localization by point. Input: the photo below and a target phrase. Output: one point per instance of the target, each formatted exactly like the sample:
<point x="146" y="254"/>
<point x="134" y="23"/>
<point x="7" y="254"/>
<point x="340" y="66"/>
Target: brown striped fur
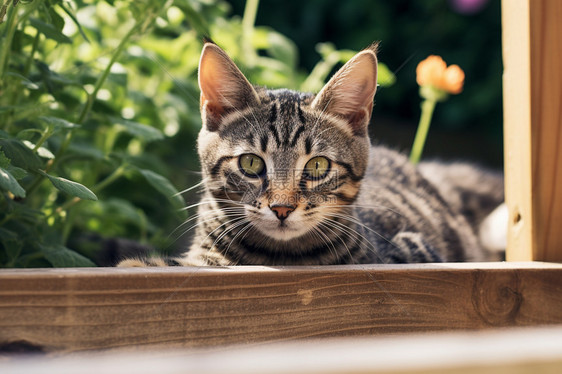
<point x="372" y="206"/>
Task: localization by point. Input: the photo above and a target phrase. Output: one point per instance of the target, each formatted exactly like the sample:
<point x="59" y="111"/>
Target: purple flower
<point x="468" y="6"/>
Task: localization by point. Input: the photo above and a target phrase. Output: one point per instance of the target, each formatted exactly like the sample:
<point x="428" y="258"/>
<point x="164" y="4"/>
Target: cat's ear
<point x="349" y="94"/>
<point x="224" y="89"/>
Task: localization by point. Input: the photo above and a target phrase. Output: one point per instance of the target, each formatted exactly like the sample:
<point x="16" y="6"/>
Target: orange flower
<point x="433" y="71"/>
<point x="453" y="79"/>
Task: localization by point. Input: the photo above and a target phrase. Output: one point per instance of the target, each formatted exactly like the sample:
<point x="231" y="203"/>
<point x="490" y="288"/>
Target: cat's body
<point x="291" y="179"/>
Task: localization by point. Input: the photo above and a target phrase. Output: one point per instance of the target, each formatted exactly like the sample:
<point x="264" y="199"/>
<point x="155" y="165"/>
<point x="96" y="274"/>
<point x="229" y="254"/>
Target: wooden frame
<point x="532" y="51"/>
<point x="69" y="309"/>
<point x="74" y="310"/>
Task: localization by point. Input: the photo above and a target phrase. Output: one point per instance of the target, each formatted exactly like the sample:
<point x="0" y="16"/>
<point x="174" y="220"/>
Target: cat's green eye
<point x="251" y="165"/>
<point x="317" y="168"/>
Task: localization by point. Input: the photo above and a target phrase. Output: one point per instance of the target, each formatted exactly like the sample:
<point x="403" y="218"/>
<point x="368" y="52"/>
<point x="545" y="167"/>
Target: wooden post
<point x="532" y="50"/>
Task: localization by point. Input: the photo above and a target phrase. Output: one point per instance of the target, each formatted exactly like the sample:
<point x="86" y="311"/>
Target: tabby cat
<point x="291" y="178"/>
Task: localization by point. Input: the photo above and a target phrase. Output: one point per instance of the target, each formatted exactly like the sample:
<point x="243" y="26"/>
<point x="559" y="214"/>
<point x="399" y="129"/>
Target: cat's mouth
<point x="282" y="230"/>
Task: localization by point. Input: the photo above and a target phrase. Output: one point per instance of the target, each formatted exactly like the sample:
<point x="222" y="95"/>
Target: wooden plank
<point x="84" y="309"/>
<point x="532" y="50"/>
<point x="546" y="126"/>
<point x="493" y="352"/>
<point x="521" y="244"/>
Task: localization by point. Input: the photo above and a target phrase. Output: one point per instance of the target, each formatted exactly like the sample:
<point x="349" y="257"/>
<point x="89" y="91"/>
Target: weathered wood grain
<point x="532" y="54"/>
<point x="83" y="309"/>
<point x="546" y="125"/>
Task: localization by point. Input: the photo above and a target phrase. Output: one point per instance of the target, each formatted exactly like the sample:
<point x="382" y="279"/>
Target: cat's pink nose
<point x="282" y="211"/>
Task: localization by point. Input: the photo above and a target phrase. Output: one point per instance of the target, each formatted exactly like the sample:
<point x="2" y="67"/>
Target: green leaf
<point x="16" y="172"/>
<point x="282" y="49"/>
<point x="125" y="210"/>
<point x="58" y="123"/>
<point x="41" y="151"/>
<point x="385" y="77"/>
<point x="12" y="244"/>
<point x="8" y="182"/>
<point x="55" y="19"/>
<point x="24" y="81"/>
<point x="20" y="155"/>
<point x="63" y="257"/>
<point x="7" y="235"/>
<point x="193" y="17"/>
<point x="50" y="76"/>
<point x="4" y="161"/>
<point x="70" y="187"/>
<point x="49" y="31"/>
<point x="164" y="186"/>
<point x="75" y="20"/>
<point x="139" y="130"/>
<point x="86" y="150"/>
<point x="9" y="176"/>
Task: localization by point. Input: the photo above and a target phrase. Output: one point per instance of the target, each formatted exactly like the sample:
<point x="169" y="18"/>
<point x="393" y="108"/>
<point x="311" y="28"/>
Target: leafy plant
<point x="99" y="113"/>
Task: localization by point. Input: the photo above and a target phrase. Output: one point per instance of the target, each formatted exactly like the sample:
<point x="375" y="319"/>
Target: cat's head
<point x="287" y="160"/>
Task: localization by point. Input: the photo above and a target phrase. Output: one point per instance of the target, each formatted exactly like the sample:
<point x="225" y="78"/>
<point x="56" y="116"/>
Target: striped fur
<point x="372" y="206"/>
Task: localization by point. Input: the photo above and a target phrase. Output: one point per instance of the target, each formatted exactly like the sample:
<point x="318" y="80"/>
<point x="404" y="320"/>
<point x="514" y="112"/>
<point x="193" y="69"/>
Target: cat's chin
<point x="285" y="232"/>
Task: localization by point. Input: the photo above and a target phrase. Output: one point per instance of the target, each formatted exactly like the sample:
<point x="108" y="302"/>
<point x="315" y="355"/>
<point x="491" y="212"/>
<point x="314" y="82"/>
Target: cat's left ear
<point x="349" y="94"/>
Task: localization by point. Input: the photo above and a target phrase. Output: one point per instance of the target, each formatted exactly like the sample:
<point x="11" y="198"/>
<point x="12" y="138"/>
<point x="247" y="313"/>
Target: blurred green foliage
<point x="99" y="111"/>
<point x="469" y="125"/>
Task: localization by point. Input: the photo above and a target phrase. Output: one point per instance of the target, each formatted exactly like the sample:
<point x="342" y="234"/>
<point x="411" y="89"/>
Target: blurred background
<point x="104" y="94"/>
<point x="463" y="32"/>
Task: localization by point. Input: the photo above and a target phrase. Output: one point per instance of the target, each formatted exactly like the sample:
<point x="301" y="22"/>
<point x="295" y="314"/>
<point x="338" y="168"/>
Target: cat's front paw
<point x="161" y="262"/>
<point x="149" y="262"/>
<point x="131" y="263"/>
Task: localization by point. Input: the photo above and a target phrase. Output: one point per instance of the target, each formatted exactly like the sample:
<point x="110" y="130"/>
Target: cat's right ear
<point x="224" y="89"/>
<point x="349" y="93"/>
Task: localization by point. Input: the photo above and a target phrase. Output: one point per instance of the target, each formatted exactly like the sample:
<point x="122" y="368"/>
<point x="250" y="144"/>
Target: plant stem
<point x="16" y="97"/>
<point x="46" y="135"/>
<point x="91" y="97"/>
<point x="11" y="24"/>
<point x="31" y="54"/>
<point x="428" y="107"/>
<point x="87" y="107"/>
<point x="67" y="228"/>
<point x="9" y="32"/>
<point x="117" y="173"/>
<point x="248" y="22"/>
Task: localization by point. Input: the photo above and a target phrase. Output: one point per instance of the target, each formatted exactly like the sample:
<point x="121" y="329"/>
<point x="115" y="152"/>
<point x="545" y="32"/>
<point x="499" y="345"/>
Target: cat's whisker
<point x="196" y="216"/>
<point x="329" y="243"/>
<point x="237" y="223"/>
<point x="246" y="228"/>
<point x="212" y="201"/>
<point x="357" y="222"/>
<point x="350" y="232"/>
<point x="326" y="224"/>
<point x="401" y="66"/>
<point x="201" y="222"/>
<point x="202" y="183"/>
